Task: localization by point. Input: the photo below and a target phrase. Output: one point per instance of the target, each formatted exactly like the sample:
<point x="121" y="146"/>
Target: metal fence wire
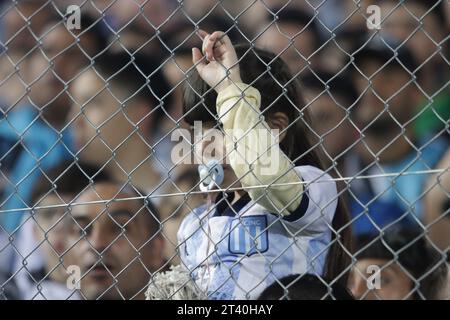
<point x="301" y="151"/>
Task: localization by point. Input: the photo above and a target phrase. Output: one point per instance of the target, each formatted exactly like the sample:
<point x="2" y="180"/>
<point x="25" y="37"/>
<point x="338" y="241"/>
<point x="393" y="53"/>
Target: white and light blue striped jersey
<point x="236" y="251"/>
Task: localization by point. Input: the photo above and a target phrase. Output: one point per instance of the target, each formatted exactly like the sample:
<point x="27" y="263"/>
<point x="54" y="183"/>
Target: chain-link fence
<point x="302" y="152"/>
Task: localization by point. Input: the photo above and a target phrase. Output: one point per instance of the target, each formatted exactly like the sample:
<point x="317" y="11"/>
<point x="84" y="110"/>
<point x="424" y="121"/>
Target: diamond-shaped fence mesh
<point x="300" y="151"/>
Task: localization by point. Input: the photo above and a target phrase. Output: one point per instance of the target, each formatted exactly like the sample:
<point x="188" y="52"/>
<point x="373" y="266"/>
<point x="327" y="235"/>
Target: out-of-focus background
<point x="87" y="115"/>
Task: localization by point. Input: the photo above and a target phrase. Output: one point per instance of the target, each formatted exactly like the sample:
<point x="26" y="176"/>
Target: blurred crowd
<point x="86" y="116"/>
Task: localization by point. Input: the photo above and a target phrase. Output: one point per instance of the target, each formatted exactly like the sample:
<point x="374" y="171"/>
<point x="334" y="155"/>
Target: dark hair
<point x="386" y="50"/>
<point x="337" y="85"/>
<point x="97" y="29"/>
<point x="140" y="76"/>
<point x="93" y="28"/>
<point x="279" y="93"/>
<point x="182" y="43"/>
<point x="305" y="287"/>
<point x="298" y="17"/>
<point x="438" y="7"/>
<point x="413" y="252"/>
<point x="67" y="178"/>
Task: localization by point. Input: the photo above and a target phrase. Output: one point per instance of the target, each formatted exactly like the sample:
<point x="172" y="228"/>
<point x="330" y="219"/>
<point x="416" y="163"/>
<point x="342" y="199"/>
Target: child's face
<point x="211" y="145"/>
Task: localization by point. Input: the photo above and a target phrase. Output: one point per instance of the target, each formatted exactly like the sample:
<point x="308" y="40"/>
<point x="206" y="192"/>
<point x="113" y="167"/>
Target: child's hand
<point x="220" y="68"/>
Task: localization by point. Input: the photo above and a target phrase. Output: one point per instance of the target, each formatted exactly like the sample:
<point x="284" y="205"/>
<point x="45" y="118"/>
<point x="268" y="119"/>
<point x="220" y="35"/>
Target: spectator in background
<point x="16" y="157"/>
<point x="137" y="25"/>
<point x="117" y="244"/>
<point x="437" y="205"/>
<point x="20" y="25"/>
<point x="155" y="13"/>
<point x="135" y="39"/>
<point x="305" y="287"/>
<point x="384" y="117"/>
<point x="294" y="35"/>
<point x="338" y="48"/>
<point x="25" y="25"/>
<point x="354" y="15"/>
<point x="419" y="25"/>
<point x="34" y="136"/>
<point x="174" y="208"/>
<point x="16" y="31"/>
<point x="56" y="65"/>
<point x="330" y="99"/>
<point x="42" y="241"/>
<point x="409" y="267"/>
<point x="50" y="227"/>
<point x="118" y="105"/>
<point x="18" y="39"/>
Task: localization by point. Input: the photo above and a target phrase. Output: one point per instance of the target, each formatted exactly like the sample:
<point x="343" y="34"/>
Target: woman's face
<point x="394" y="283"/>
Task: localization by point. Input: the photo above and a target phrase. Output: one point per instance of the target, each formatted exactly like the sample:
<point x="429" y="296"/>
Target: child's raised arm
<point x="219" y="67"/>
<point x="246" y="132"/>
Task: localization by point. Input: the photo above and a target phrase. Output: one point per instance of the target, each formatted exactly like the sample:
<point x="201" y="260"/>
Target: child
<point x="246" y="238"/>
